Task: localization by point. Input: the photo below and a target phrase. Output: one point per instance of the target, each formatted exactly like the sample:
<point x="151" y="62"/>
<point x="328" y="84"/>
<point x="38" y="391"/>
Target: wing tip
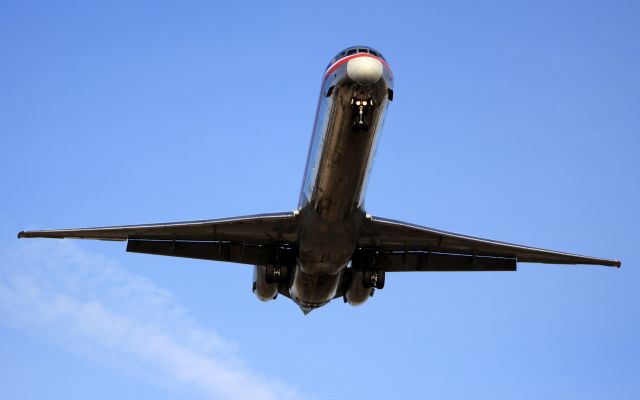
<point x="21" y="234"/>
<point x="617" y="263"/>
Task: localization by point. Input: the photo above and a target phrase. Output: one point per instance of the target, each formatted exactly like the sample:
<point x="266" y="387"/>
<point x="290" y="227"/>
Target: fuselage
<point x="355" y="91"/>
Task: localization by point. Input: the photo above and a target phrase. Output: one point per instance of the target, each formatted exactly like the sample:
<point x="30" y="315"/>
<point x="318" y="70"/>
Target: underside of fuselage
<point x="350" y="114"/>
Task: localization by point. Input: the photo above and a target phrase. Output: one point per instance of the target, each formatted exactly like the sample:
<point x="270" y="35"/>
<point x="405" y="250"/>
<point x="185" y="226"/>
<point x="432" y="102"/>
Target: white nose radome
<point x="364" y="70"/>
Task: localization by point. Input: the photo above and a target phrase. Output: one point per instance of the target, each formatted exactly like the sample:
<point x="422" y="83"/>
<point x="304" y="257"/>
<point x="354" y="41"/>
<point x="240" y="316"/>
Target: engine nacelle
<point x="265" y="288"/>
<point x="357" y="292"/>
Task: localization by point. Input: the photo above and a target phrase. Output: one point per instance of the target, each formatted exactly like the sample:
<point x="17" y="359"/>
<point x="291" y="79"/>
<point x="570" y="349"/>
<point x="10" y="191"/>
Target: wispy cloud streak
<point x="93" y="306"/>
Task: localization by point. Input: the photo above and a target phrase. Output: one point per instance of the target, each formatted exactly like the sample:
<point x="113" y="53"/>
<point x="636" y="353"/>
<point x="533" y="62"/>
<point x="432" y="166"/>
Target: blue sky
<point x="518" y="121"/>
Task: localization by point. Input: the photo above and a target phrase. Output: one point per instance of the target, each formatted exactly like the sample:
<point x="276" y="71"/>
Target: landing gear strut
<point x="276" y="274"/>
<point x="361" y="110"/>
<point x="373" y="279"/>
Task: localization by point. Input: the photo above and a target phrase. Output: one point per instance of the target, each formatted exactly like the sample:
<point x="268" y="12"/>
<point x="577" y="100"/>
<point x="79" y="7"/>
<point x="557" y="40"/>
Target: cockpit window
<point x="353" y="50"/>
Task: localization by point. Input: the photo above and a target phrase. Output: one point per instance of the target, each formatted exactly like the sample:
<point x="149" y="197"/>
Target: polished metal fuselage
<point x="331" y="205"/>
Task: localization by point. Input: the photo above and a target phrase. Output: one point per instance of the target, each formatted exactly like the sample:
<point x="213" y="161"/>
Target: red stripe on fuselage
<point x="341" y="61"/>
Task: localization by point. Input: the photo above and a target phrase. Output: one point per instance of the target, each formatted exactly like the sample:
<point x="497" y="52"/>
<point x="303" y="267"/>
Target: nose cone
<point x="364" y="70"/>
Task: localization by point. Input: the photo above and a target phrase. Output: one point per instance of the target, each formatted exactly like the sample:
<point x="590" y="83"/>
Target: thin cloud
<point x="94" y="307"/>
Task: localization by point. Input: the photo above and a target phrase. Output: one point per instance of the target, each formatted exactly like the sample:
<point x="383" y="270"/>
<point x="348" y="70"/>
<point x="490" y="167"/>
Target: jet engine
<point x="263" y="289"/>
<point x="362" y="285"/>
<point x="265" y="281"/>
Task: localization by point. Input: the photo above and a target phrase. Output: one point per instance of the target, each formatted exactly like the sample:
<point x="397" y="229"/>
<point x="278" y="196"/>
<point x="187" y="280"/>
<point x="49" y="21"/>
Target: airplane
<point x="330" y="247"/>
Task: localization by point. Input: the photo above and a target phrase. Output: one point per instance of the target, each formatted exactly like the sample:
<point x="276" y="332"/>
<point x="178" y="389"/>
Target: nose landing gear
<point x="361" y="109"/>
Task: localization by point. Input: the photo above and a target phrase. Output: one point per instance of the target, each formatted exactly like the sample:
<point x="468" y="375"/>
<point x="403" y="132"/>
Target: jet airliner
<point x="329" y="247"/>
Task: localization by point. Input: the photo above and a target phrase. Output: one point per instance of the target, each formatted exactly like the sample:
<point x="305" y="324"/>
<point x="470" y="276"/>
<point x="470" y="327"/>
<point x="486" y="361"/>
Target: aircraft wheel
<point x="373" y="279"/>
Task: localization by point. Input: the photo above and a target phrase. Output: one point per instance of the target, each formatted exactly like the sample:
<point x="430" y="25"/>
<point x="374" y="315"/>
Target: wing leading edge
<point x="399" y="246"/>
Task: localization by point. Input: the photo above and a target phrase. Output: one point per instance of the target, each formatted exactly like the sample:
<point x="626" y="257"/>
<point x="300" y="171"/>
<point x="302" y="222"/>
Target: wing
<point x="398" y="246"/>
<point x="255" y="239"/>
